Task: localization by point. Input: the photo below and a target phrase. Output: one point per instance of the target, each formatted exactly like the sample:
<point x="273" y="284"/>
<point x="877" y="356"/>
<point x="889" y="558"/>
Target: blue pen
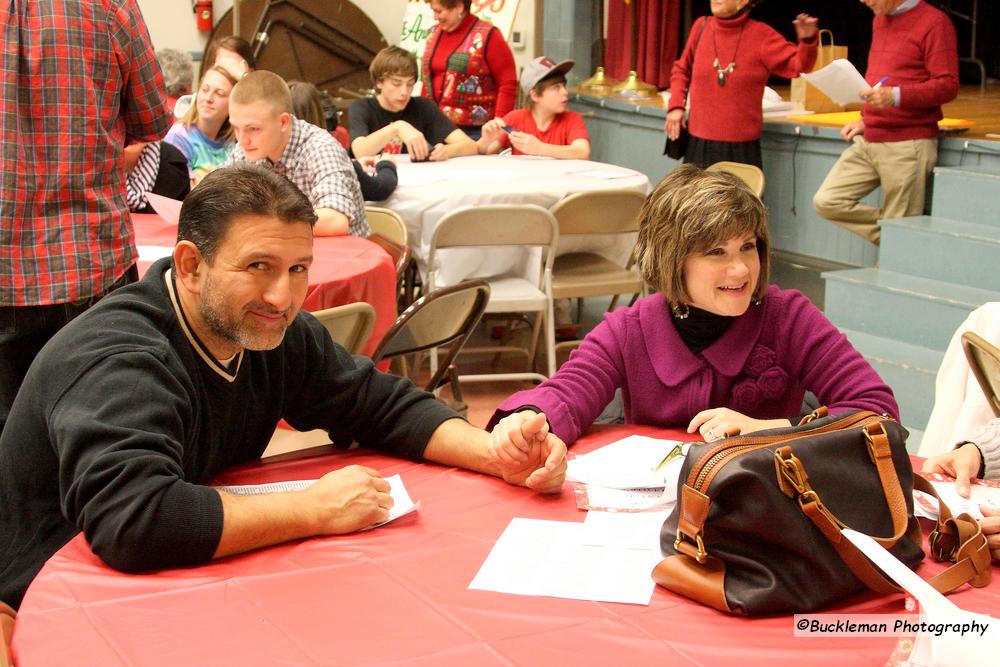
<point x="880" y="82"/>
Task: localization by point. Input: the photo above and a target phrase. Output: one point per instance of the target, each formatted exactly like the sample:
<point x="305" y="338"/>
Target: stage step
<point x="967" y="193"/>
<point x="915" y="310"/>
<point x="943" y="249"/>
<point x="909" y="370"/>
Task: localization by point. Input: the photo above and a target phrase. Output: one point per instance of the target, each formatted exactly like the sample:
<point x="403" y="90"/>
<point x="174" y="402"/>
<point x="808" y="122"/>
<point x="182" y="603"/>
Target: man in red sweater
<point x="912" y="70"/>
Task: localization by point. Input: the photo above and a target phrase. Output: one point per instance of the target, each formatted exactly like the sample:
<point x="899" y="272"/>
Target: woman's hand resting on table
<point x="718" y="423"/>
<point x="963" y="464"/>
<point x="527" y="453"/>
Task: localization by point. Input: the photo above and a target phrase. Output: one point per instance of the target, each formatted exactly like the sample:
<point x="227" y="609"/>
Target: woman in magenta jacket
<point x="717" y="349"/>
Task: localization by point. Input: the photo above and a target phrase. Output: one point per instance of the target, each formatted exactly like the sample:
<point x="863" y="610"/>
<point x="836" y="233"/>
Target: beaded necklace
<point x="723" y="72"/>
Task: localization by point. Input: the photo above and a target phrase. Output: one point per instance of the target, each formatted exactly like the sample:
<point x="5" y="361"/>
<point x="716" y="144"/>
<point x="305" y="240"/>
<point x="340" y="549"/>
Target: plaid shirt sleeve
<point x="145" y="114"/>
<point x="332" y="182"/>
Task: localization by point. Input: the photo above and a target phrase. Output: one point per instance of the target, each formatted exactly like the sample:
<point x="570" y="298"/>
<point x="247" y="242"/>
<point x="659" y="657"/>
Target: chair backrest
<point x="751" y="174"/>
<point x="599" y="212"/>
<point x="496" y="225"/>
<point x="388" y="223"/>
<point x="984" y="360"/>
<point x="350" y="325"/>
<point x="444" y="317"/>
<point x="400" y="253"/>
<point x="7" y="617"/>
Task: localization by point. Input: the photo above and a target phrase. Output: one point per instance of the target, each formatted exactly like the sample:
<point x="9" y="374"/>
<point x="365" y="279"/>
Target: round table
<point x="399" y="595"/>
<point x="345" y="269"/>
<point x="429" y="190"/>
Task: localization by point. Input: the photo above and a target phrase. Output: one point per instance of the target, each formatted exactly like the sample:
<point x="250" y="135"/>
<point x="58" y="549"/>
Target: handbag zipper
<point x="701" y="476"/>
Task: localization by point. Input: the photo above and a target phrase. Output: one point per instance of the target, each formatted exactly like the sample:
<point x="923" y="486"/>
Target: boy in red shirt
<point x="545" y="128"/>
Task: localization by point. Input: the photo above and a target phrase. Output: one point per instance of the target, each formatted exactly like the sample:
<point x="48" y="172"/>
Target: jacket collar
<point x="727" y="356"/>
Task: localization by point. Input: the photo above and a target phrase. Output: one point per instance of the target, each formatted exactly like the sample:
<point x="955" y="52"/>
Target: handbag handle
<point x="959" y="539"/>
<point x="828" y="33"/>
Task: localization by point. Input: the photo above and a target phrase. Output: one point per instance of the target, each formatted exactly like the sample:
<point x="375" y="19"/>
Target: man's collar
<point x="905" y="7"/>
<point x="228" y="371"/>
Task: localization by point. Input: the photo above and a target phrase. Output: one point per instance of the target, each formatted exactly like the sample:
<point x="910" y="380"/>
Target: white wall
<point x="171" y="23"/>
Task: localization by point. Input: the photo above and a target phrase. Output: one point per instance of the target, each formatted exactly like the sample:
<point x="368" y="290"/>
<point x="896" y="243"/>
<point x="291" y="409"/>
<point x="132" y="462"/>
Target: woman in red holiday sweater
<point x="467" y="69"/>
<point x="723" y="71"/>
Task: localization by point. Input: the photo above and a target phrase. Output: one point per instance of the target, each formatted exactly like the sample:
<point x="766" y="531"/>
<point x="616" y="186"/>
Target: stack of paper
<point x="631" y="474"/>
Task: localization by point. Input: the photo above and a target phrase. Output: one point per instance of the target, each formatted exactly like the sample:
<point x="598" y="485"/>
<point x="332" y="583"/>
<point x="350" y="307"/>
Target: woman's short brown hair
<point x="690" y="211"/>
<point x="393" y="61"/>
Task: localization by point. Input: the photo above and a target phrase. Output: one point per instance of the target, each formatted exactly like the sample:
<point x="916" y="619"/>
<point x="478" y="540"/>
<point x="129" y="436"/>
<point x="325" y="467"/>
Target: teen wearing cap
<point x="545" y="127"/>
<point x="394" y="121"/>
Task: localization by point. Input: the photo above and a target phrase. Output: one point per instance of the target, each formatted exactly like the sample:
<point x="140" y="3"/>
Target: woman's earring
<point x="756" y="301"/>
<point x="680" y="310"/>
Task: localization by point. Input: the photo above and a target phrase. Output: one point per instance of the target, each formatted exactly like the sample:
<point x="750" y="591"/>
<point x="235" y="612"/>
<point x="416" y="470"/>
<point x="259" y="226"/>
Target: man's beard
<point x="224" y="324"/>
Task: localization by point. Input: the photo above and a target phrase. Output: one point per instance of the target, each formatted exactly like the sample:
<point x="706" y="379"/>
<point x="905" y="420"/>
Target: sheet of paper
<point x="168" y="209"/>
<point x="950" y="649"/>
<point x="629" y="463"/>
<point x="608" y="174"/>
<point x="840" y="81"/>
<point x="626" y="530"/>
<point x="402" y="503"/>
<point x="534" y="557"/>
<point x="603" y="499"/>
<point x="151" y="253"/>
<point x="979" y="494"/>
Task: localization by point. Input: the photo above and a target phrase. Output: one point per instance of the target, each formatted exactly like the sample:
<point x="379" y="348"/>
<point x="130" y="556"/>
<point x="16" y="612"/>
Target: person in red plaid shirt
<point x="78" y="81"/>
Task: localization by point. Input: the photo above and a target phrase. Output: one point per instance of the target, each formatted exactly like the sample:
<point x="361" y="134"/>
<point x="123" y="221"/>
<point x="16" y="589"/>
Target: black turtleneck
<point x="701" y="328"/>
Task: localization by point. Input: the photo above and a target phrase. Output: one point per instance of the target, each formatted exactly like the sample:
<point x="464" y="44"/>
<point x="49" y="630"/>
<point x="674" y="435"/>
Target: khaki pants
<point x="900" y="167"/>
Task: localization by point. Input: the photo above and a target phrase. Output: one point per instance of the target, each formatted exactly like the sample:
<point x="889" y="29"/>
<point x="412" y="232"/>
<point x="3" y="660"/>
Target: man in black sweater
<point x="168" y="381"/>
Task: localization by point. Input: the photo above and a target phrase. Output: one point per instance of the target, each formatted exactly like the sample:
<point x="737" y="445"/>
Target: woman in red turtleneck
<point x="724" y="68"/>
<point x="467" y="69"/>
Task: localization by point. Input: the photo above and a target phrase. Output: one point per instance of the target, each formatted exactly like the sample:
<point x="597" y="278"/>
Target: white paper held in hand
<point x="402" y="503"/>
<point x="840" y="81"/>
<point x="949" y="649"/>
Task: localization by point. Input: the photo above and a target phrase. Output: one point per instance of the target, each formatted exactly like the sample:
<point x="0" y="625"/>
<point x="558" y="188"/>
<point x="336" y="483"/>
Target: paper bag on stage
<point x="808" y="95"/>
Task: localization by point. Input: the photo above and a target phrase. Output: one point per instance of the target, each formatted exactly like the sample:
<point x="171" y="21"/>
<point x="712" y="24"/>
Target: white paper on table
<point x="603" y="499"/>
<point x="950" y="649"/>
<point x="626" y="530"/>
<point x="840" y="81"/>
<point x="628" y="463"/>
<point x="534" y="557"/>
<point x="151" y="253"/>
<point x="925" y="505"/>
<point x="402" y="503"/>
<point x="604" y="173"/>
<point x="168" y="209"/>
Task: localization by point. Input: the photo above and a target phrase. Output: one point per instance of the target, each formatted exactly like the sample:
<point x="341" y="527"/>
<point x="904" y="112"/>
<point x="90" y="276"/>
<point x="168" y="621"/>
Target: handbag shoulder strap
<point x="959" y="539"/>
<point x="689" y="65"/>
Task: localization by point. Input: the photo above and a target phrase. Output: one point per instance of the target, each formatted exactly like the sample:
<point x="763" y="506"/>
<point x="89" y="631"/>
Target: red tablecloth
<point x="398" y="595"/>
<point x="345" y="269"/>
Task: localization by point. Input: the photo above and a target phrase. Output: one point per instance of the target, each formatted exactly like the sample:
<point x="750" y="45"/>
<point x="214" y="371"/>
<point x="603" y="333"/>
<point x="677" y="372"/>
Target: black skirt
<point x="703" y="152"/>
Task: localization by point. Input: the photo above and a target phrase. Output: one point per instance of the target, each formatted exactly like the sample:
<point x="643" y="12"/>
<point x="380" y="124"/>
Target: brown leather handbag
<point x="756" y="528"/>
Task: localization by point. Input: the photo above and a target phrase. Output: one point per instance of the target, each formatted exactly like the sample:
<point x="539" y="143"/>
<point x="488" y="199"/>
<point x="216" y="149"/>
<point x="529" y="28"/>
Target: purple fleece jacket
<point x="760" y="367"/>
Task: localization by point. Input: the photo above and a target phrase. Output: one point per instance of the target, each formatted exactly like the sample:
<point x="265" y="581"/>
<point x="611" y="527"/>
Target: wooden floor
<point x="982" y="107"/>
